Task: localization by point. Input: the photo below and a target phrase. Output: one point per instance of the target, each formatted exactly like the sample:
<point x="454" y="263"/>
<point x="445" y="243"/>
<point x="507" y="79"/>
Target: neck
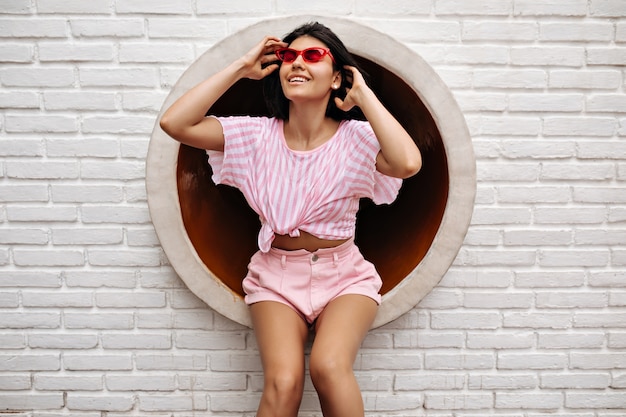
<point x="307" y="129"/>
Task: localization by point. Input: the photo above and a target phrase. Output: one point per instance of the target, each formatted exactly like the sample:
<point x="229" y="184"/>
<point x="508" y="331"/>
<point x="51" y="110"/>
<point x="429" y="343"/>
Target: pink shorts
<point x="308" y="281"/>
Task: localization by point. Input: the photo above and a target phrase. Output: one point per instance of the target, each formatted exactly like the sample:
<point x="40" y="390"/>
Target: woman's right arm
<point x="186" y="120"/>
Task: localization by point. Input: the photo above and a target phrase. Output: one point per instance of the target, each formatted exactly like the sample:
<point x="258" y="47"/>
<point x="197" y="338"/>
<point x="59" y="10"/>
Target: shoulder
<point x="246" y="121"/>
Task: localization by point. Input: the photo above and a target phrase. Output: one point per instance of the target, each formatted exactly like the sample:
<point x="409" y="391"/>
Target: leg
<point x="281" y="335"/>
<point x="340" y="330"/>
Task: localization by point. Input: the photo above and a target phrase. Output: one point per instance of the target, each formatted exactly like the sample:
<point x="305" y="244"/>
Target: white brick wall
<point x="530" y="321"/>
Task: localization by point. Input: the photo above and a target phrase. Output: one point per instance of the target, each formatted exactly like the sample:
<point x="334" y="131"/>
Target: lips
<point x="297" y="79"/>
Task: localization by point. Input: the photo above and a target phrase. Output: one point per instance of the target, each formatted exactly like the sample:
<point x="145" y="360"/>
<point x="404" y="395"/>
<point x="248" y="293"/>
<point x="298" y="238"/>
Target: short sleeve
<point x="380" y="188"/>
<point x="241" y="138"/>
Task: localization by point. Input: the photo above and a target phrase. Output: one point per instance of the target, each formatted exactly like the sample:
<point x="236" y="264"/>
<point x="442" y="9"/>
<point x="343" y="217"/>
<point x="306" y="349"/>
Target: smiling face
<point x="301" y="80"/>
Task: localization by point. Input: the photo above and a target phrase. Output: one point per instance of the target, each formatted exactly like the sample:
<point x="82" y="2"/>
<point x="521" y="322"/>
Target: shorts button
<point x="314" y="258"/>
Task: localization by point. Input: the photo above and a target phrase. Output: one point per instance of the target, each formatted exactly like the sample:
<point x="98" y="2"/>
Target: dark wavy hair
<point x="276" y="102"/>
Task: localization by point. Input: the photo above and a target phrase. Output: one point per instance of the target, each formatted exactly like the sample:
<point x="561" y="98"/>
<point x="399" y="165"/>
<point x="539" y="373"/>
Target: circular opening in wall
<point x="209" y="233"/>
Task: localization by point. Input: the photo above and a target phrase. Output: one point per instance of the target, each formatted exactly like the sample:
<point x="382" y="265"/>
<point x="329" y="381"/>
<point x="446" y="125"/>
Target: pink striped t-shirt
<point x="314" y="191"/>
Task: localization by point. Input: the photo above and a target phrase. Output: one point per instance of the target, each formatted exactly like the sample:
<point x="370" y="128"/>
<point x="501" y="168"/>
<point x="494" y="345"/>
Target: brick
<point x="93" y="148"/>
<point x="599" y="320"/>
<point x="29" y="362"/>
<point x="509" y="171"/>
<point x="27" y="402"/>
<point x="129" y="258"/>
<point x="15" y="382"/>
<point x="114" y="214"/>
<point x="522" y="400"/>
<point x="575" y="32"/>
<point x="16" y="53"/>
<point x="148" y="7"/>
<point x="117" y="170"/>
<point x="67" y="383"/>
<point x="211" y="340"/>
<point x="562" y="56"/>
<point x="87" y="194"/>
<point x="589" y="172"/>
<point x="460" y="401"/>
<point x="117" y="77"/>
<point x="470" y="55"/>
<point x="200" y="320"/>
<point x="97" y="363"/>
<point x="497" y="300"/>
<point x="109" y="403"/>
<point x="16" y="6"/>
<point x="24" y="169"/>
<point x="469" y="320"/>
<point x="607" y="8"/>
<point x="141" y="383"/>
<point x="104" y="101"/>
<point x="500" y="341"/>
<point x="140" y="341"/>
<point x="87" y="236"/>
<point x="531" y="149"/>
<point x="422" y="340"/>
<point x="409" y="31"/>
<point x="501" y="382"/>
<point x="563" y="258"/>
<point x="8" y="300"/>
<point x="61" y="300"/>
<point x="47" y="77"/>
<point x="62" y="341"/>
<point x="606" y="56"/>
<point x="24" y="236"/>
<point x="32" y="28"/>
<point x="117" y="321"/>
<point x="118" y="28"/>
<point x="205" y="30"/>
<point x="546" y="102"/>
<point x="468" y="279"/>
<point x="215" y="382"/>
<point x="599" y="195"/>
<point x="587" y="400"/>
<point x="155" y="52"/>
<point x="526" y="361"/>
<point x="497" y="258"/>
<point x="459" y="361"/>
<point x="40" y="124"/>
<point x="499" y="31"/>
<point x="494" y="216"/>
<point x="27" y="257"/>
<point x="179" y="362"/>
<point x="483" y="8"/>
<point x="585" y="79"/>
<point x="550" y="8"/>
<point x="568" y="300"/>
<point x="575" y="381"/>
<point x="538" y="237"/>
<point x="117" y="125"/>
<point x="22" y="147"/>
<point x="598" y="360"/>
<point x="95" y="52"/>
<point x="32" y="278"/>
<point x="534" y="195"/>
<point x="17" y="100"/>
<point x="45" y="214"/>
<point x="549" y="279"/>
<point x="579" y="126"/>
<point x="576" y="215"/>
<point x="130" y="300"/>
<point x="571" y="341"/>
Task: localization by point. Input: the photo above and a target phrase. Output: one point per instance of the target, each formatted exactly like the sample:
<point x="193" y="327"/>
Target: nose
<point x="298" y="62"/>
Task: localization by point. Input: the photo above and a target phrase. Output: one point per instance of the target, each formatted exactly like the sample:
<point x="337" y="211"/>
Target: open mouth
<point x="297" y="80"/>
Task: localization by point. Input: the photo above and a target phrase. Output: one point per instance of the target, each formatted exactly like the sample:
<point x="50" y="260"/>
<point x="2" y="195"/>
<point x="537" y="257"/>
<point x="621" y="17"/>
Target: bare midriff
<point x="304" y="241"/>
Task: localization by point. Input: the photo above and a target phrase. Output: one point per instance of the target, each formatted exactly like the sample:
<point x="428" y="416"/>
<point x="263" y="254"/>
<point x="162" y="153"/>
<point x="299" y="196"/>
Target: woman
<point x="303" y="171"/>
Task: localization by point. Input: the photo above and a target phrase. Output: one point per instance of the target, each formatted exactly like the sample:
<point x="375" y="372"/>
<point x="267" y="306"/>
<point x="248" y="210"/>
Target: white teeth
<point x="297" y="80"/>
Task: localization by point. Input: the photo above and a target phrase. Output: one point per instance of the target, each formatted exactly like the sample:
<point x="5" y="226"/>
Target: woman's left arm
<point x="399" y="155"/>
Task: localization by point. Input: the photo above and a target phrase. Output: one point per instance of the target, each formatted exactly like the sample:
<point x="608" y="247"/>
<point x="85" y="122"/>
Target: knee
<point x="284" y="386"/>
<point x="328" y="370"/>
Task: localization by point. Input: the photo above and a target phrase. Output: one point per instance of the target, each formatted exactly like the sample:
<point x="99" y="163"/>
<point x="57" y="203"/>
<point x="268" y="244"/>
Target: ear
<point x="336" y="80"/>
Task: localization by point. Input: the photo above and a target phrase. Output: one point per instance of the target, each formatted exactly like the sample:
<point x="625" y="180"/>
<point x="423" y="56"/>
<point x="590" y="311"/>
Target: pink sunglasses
<point x="311" y="55"/>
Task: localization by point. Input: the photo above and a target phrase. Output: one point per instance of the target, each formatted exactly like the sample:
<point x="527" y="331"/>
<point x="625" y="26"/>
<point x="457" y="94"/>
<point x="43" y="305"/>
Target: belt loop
<point x="335" y="259"/>
<point x="283" y="261"/>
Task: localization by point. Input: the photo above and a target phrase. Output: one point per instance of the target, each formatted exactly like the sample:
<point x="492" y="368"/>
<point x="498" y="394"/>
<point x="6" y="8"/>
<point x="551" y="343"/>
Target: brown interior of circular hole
<point x="223" y="229"/>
